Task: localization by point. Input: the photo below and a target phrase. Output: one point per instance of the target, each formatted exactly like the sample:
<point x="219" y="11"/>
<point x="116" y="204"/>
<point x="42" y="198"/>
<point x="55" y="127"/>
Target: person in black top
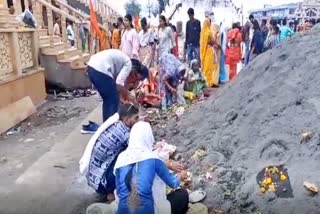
<point x="257" y="42"/>
<point x="192" y="43"/>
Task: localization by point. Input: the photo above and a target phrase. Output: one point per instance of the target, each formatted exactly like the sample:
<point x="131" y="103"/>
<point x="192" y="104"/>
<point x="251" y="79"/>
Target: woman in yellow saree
<point x="209" y="69"/>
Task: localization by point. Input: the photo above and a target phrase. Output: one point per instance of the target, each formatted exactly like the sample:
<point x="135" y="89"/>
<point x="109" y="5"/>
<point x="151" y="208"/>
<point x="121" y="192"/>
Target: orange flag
<point x="93" y="22"/>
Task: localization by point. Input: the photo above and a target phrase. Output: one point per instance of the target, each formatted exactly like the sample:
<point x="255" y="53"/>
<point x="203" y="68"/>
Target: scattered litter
<point x="14" y="131"/>
<point x="198" y="208"/>
<point x="180" y="111"/>
<point x="306" y="136"/>
<point x="28" y="140"/>
<point x="59" y="166"/>
<point x="199" y="154"/>
<point x="275" y="179"/>
<point x="216" y="211"/>
<point x="209" y="176"/>
<point x="164" y="150"/>
<point x="311" y="187"/>
<point x="197" y="196"/>
<point x="3" y="160"/>
<point x="189" y="175"/>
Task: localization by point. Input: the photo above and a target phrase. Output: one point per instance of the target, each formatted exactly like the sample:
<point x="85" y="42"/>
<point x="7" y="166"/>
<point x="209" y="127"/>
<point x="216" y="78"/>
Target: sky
<point x="221" y="14"/>
<point x="248" y="4"/>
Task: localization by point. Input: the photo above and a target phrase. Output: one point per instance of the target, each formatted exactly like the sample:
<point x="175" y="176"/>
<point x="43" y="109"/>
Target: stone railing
<point x="46" y="12"/>
<point x="18" y="53"/>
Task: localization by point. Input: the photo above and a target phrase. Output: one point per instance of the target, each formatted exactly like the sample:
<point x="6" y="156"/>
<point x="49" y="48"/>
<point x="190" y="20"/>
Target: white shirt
<point x="113" y="63"/>
<point x="166" y="40"/>
<point x="70" y="33"/>
<point x="145" y="38"/>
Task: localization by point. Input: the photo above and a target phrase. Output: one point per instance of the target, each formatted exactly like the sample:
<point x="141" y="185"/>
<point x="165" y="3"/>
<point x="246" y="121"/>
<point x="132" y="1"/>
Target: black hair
<point x="127" y="110"/>
<point x="318" y="20"/>
<point x="120" y="19"/>
<point x="141" y="69"/>
<point x="251" y="16"/>
<point x="256" y="25"/>
<point x="313" y="21"/>
<point x="235" y="25"/>
<point x="173" y="28"/>
<point x="163" y="18"/>
<point x="284" y="21"/>
<point x="276" y="29"/>
<point x="115" y="25"/>
<point x="129" y="17"/>
<point x="143" y="21"/>
<point x="273" y="22"/>
<point x="191" y="12"/>
<point x="264" y="21"/>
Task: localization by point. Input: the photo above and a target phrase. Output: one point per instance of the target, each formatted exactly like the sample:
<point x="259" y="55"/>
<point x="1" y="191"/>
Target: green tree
<point x="133" y="8"/>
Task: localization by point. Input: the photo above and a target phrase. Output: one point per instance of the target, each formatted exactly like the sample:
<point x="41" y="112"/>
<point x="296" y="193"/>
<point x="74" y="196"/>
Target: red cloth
<point x="94" y="23"/>
<point x="175" y="50"/>
<point x="234" y="49"/>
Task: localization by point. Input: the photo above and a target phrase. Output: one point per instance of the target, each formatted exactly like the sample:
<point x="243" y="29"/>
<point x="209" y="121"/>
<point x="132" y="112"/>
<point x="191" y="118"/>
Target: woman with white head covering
<point x="141" y="177"/>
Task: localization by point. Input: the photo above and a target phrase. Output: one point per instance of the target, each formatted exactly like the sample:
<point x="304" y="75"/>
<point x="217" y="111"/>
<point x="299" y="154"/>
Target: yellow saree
<point x="207" y="53"/>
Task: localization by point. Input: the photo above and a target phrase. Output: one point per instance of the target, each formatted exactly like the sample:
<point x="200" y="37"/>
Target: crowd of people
<point x="144" y="67"/>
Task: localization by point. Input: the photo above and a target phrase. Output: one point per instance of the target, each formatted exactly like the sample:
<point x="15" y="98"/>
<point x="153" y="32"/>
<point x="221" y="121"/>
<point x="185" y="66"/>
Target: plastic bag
<point x="27" y="18"/>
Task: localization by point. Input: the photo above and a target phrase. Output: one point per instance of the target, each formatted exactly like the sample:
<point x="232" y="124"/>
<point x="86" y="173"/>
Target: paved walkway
<point x="53" y="183"/>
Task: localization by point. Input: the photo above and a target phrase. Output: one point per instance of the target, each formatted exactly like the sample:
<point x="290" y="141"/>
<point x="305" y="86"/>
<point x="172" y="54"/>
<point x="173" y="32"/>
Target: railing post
<point x="35" y="48"/>
<point x="17" y="6"/>
<point x="15" y="50"/>
<point x="50" y="25"/>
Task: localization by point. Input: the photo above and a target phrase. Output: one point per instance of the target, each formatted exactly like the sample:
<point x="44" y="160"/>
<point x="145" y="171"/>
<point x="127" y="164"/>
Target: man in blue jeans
<point x="108" y="71"/>
<point x="192" y="43"/>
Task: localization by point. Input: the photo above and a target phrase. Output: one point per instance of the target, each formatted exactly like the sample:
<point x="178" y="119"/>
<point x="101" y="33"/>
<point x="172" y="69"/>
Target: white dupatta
<point x="140" y="148"/>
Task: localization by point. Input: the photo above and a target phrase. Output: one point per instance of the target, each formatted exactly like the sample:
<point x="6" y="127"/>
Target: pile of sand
<point x="255" y="121"/>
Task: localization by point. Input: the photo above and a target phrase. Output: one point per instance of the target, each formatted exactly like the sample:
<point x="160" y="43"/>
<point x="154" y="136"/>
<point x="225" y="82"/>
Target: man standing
<point x="70" y="33"/>
<point x="246" y="38"/>
<point x="192" y="42"/>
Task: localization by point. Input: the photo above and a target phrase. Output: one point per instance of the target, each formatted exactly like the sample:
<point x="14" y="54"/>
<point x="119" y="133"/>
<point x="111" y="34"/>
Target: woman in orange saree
<point x="116" y="37"/>
<point x="234" y="50"/>
<point x="207" y="55"/>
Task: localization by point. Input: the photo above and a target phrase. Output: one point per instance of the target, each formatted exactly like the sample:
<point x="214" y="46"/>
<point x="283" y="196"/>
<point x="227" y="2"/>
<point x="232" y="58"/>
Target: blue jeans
<point x="107" y="89"/>
<point x="193" y="53"/>
<point x="247" y="53"/>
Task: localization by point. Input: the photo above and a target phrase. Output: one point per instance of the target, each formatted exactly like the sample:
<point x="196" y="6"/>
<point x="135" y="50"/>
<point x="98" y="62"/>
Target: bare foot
<point x="110" y="198"/>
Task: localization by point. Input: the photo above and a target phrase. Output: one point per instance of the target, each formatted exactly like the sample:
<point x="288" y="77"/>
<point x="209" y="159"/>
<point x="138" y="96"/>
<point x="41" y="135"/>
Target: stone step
<point x="48" y="50"/>
<point x="77" y="62"/>
<point x="68" y="53"/>
<point x="43" y="32"/>
<point x="45" y="40"/>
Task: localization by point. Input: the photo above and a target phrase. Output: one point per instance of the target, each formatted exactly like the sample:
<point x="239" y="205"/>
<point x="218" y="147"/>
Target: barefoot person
<point x="104" y="147"/>
<point x="108" y="71"/>
<point x="141" y="178"/>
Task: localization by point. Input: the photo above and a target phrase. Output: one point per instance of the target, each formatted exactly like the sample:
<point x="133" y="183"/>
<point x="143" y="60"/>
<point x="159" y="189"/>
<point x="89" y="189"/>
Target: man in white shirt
<point x="56" y="27"/>
<point x="70" y="33"/>
<point x="110" y="71"/>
